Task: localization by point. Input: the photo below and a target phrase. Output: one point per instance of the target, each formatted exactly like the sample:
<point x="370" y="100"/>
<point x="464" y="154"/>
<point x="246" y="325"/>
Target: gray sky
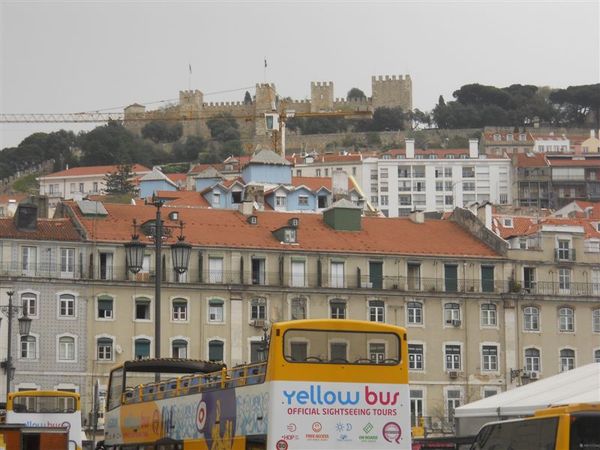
<point x="86" y="56"/>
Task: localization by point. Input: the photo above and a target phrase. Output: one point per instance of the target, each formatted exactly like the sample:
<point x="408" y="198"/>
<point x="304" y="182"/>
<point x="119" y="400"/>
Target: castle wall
<point x="321" y="96"/>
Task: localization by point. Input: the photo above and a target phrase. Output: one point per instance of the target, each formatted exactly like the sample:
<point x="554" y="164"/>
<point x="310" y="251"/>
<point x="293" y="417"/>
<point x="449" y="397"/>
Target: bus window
<point x="116" y="388"/>
<point x="585" y="431"/>
<point x="518" y="435"/>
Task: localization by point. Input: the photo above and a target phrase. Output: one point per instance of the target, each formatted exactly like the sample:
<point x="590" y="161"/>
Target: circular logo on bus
<point x="66" y="425"/>
<point x="316" y="427"/>
<point x="392" y="432"/>
<point x="201" y="416"/>
<point x="281" y="445"/>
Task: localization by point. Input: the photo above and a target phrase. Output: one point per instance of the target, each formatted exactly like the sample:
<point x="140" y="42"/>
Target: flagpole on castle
<point x="190" y="77"/>
<point x="265" y="74"/>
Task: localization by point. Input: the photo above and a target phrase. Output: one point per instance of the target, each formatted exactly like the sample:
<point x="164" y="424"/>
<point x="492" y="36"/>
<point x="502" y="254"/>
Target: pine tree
<point x="119" y="182"/>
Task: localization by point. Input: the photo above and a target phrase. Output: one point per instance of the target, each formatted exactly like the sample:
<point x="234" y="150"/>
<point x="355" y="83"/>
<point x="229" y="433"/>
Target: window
<point x="414" y="311"/>
<point x="338" y="309"/>
<point x="318" y="172"/>
<point x="106" y="266"/>
<point x="566" y="319"/>
<point x="28" y="259"/>
<point x="468" y="172"/>
<point x="258" y="309"/>
<point x="452" y="313"/>
<point x="72" y="188"/>
<point x="416" y="406"/>
<point x="597" y="356"/>
<point x="338" y="351"/>
<point x="66" y="348"/>
<point x="489" y="358"/>
<point x="215" y="310"/>
<point x="257" y="351"/>
<point x="81" y="189"/>
<point x="280" y="201"/>
<point x="180" y="310"/>
<point x="289" y="235"/>
<point x="596" y="279"/>
<point x="66" y="305"/>
<point x="95" y="186"/>
<point x="415" y="356"/>
<point x="142" y="309"/>
<point x="258" y="271"/>
<point x="216" y="199"/>
<point x="299" y="351"/>
<point x="451" y="277"/>
<point x="452" y="402"/>
<point x="413" y="272"/>
<point x="105" y="307"/>
<point x="529" y="279"/>
<point x="376" y="311"/>
<point x="377" y="352"/>
<point x="564" y="280"/>
<point x="67" y="261"/>
<point x="405" y="200"/>
<point x="215" y="270"/>
<point x="28" y="347"/>
<point x="179" y="348"/>
<point x="298" y="273"/>
<point x="215" y="350"/>
<point x="104" y="349"/>
<point x="336" y="274"/>
<point x="487" y="278"/>
<point x="488" y="315"/>
<point x="142" y="348"/>
<point x="531" y="316"/>
<point x="298" y="308"/>
<point x="452" y="356"/>
<point x="563" y="246"/>
<point x="596" y="320"/>
<point x="303" y="200"/>
<point x="532" y="360"/>
<point x="29" y="302"/>
<point x="567" y="359"/>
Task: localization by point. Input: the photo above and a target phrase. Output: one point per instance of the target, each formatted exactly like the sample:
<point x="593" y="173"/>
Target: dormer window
<point x="289" y="235"/>
<point x="507" y="222"/>
<point x="294" y="222"/>
<point x="522" y="137"/>
<point x="497" y="137"/>
<point x="216" y="199"/>
<point x="174" y="215"/>
<point x="252" y="220"/>
<point x="509" y="137"/>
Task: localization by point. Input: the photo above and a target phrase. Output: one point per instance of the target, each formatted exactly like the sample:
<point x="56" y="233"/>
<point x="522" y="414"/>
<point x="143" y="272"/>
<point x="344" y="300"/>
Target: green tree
<point x="576" y="102"/>
<point x="119" y="182"/>
<point x="356" y="94"/>
<point x="247" y="98"/>
<point x="190" y="149"/>
<point x="160" y="131"/>
<point x="223" y="127"/>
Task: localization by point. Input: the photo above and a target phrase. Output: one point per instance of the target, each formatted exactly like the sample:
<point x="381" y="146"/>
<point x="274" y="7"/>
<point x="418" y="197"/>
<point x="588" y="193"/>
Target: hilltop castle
<point x="387" y="91"/>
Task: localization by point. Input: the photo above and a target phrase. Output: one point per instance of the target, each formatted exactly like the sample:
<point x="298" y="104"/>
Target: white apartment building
<point x="434" y="180"/>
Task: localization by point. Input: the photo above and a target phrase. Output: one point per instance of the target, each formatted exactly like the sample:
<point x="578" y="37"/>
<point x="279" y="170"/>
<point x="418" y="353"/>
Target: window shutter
<point x="319" y="273"/>
<point x="281" y="270"/>
<point x="200" y="268"/>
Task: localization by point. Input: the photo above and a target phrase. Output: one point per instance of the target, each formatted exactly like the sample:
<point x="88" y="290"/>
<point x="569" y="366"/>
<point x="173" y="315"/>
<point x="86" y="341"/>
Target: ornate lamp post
<point x="180" y="255"/>
<point x="24" y="328"/>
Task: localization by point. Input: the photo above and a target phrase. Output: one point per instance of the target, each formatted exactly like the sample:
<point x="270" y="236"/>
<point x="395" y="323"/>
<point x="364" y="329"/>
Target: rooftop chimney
<point x="26" y="217"/>
<point x="593" y="134"/>
<point x="410" y="148"/>
<point x="417" y="217"/>
<point x="473" y="148"/>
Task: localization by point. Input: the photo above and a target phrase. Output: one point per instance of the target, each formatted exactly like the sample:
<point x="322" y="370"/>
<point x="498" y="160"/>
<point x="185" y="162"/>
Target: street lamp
<point x="24" y="327"/>
<point x="180" y="255"/>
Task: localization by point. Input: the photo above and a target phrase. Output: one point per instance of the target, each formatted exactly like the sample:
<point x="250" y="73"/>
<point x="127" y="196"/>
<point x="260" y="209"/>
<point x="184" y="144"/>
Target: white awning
<point x="581" y="385"/>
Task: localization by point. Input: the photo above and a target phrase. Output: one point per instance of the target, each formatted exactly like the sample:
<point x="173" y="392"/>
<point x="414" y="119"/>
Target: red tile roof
<point x="177" y="178"/>
<point x="594" y="209"/>
<point x="46" y="230"/>
<point x="575" y="162"/>
<point x="4" y="198"/>
<point x="530" y="160"/>
<point x="229" y="229"/>
<point x="525" y="226"/>
<point x="313" y="183"/>
<point x="94" y="170"/>
<point x="182" y="198"/>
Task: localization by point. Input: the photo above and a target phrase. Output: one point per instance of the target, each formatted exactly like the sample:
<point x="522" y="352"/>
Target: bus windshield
<point x="335" y="347"/>
<point x="35" y="404"/>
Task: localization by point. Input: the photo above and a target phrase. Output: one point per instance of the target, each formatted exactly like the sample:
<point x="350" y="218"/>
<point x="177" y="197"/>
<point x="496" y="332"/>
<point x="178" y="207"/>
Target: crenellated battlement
<point x="390" y="78"/>
<point x="352" y="101"/>
<point x="232" y="104"/>
<point x="321" y="84"/>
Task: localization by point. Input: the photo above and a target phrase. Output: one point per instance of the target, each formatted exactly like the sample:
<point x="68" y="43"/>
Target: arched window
<point x="29" y="302"/>
<point x="66" y="348"/>
<point x="597" y="356"/>
<point x="142" y="348"/>
<point x="451" y="312"/>
<point x="567" y="359"/>
<point x="596" y="320"/>
<point x="28" y="347"/>
<point x="104" y="347"/>
<point x="180" y="311"/>
<point x="532" y="360"/>
<point x="66" y="307"/>
<point x="531" y="316"/>
<point x="566" y="319"/>
<point x="179" y="348"/>
<point x="215" y="350"/>
<point x="488" y="315"/>
<point x="298" y="308"/>
<point x="414" y="313"/>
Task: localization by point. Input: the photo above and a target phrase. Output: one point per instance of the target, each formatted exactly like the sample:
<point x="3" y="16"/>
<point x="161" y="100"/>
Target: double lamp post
<point x="180" y="256"/>
<point x="11" y="311"/>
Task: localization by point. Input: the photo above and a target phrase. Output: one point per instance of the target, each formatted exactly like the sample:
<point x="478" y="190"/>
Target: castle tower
<point x="190" y="106"/>
<point x="392" y="91"/>
<point x="321" y="96"/>
<point x="265" y="100"/>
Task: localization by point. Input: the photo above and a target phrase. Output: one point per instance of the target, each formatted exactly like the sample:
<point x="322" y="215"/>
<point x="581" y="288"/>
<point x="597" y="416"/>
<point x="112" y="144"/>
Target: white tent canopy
<point x="581" y="385"/>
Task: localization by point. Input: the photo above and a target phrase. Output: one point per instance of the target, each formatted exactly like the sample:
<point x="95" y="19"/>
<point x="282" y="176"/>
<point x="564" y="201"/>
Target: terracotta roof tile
<point x="228" y="228"/>
<point x="530" y="160"/>
<point x="94" y="170"/>
<point x="561" y="162"/>
<point x="47" y="230"/>
<point x="182" y="198"/>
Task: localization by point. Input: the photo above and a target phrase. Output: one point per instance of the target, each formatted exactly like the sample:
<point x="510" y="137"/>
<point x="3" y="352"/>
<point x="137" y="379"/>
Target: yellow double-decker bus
<point x="46" y="409"/>
<point x="568" y="427"/>
<point x="323" y="384"/>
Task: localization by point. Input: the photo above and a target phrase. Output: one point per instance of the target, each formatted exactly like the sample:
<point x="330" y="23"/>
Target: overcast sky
<point x="86" y="56"/>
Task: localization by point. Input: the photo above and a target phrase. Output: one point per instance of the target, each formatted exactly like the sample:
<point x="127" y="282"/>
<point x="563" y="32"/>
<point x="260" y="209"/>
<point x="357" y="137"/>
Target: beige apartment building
<point x="452" y="283"/>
